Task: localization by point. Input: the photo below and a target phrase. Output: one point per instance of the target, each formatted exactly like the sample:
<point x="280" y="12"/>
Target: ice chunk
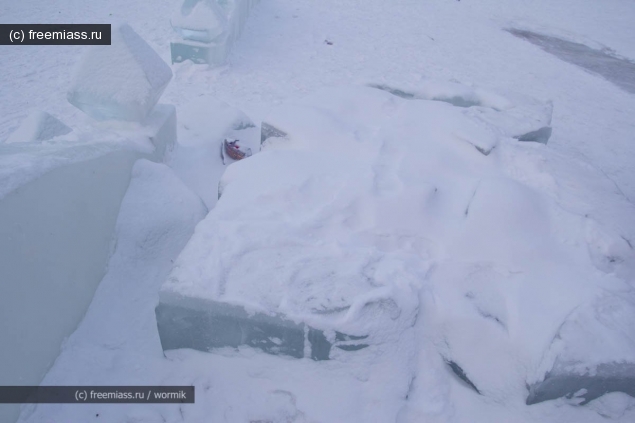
<point x="594" y="353"/>
<point x="122" y="81"/>
<point x="38" y="126"/>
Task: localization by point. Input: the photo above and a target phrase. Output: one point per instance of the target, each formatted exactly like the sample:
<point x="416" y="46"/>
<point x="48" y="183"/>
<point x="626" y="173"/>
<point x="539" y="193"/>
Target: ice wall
<point x="58" y="208"/>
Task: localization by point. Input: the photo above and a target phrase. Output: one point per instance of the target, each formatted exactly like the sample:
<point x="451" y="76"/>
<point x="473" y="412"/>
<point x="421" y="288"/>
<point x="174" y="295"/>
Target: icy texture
<point x="38" y="126"/>
<point x="511" y="114"/>
<point x="207" y="44"/>
<point x="594" y="351"/>
<point x="122" y="81"/>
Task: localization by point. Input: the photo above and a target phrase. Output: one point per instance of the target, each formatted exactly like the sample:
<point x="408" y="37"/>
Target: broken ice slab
<point x="514" y="115"/>
<point x="605" y="378"/>
<point x="204" y="325"/>
<point x="161" y="125"/>
<point x="38" y="126"/>
<point x="594" y="352"/>
<point x="541" y="135"/>
<point x="121" y="81"/>
<point x="269" y="131"/>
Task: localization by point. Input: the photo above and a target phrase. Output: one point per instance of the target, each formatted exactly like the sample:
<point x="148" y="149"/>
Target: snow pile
<point x="38" y="126"/>
<point x="406" y="222"/>
<point x="121" y="81"/>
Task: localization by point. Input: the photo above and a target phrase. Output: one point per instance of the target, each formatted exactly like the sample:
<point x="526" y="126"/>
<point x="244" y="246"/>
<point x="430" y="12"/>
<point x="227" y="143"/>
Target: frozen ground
<point x="293" y="48"/>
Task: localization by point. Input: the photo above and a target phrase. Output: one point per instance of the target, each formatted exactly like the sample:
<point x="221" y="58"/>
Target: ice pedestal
<point x="594" y="353"/>
<point x="122" y="81"/>
<point x="38" y="126"/>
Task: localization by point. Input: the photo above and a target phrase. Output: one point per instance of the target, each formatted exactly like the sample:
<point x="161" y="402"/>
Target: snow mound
<point x="122" y="81"/>
<point x="38" y="126"/>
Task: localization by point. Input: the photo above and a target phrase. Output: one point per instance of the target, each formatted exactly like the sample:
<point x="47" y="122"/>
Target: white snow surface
<point x="548" y="232"/>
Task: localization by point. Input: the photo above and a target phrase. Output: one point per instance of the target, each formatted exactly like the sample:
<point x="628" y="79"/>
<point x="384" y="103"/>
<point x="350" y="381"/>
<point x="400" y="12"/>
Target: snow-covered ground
<point x="469" y="258"/>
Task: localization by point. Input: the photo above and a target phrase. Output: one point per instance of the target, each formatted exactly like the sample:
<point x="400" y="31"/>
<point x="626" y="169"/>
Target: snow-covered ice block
<point x="38" y="126"/>
<point x="121" y="81"/>
<point x="202" y="40"/>
<point x="514" y="115"/>
<point x="593" y="352"/>
<point x="200" y="20"/>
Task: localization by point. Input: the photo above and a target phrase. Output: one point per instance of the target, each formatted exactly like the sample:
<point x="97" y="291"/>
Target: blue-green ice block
<point x="205" y="325"/>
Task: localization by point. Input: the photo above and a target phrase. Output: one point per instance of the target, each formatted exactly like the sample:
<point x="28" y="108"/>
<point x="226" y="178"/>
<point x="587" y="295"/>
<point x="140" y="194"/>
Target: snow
<point x="121" y="81"/>
<point x="435" y="219"/>
<point x="38" y="126"/>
